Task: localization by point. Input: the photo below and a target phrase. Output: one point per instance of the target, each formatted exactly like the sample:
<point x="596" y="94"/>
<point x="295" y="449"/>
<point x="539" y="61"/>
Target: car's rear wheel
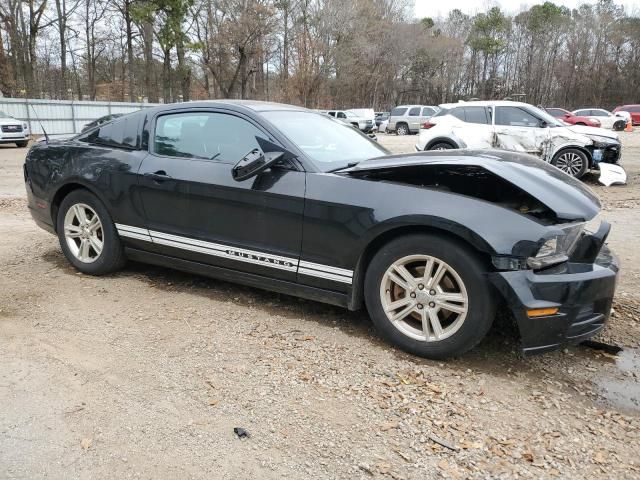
<point x="22" y="144"/>
<point x="441" y="146"/>
<point x="428" y="295"/>
<point x="87" y="235"/>
<point x="402" y="129"/>
<point x="571" y="161"/>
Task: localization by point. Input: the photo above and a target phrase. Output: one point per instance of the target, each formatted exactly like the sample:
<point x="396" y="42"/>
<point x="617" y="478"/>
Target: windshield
<point x="4" y="114"/>
<point x="329" y="143"/>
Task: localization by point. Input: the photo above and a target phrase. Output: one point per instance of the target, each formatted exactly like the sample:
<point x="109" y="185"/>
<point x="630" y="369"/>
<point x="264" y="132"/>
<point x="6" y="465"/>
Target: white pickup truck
<point x="365" y="124"/>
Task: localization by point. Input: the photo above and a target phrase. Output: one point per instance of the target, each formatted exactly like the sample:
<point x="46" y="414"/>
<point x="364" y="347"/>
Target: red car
<point x="568" y="117"/>
<point x="634" y="111"/>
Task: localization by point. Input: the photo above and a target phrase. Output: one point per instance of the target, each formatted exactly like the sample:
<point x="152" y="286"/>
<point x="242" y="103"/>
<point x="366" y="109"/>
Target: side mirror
<point x="567" y="115"/>
<point x="543" y="124"/>
<point x="253" y="163"/>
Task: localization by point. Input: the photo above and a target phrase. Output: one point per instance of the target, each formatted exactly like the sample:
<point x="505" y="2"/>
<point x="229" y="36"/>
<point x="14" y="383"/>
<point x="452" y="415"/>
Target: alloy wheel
<point x="83" y="232"/>
<point x="402" y="130"/>
<point x="424" y="298"/>
<point x="570" y="162"/>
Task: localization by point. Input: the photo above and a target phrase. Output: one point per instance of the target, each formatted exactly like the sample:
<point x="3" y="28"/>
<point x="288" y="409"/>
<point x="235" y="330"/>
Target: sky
<point x="435" y="8"/>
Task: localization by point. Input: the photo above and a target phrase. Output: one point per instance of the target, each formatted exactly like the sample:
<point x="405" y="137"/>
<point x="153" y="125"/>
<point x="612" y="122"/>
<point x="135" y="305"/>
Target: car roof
<point x="486" y="103"/>
<point x="254" y="105"/>
<point x="412" y="106"/>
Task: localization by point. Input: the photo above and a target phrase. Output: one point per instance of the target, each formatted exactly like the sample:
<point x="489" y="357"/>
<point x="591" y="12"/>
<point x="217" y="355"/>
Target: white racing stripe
<point x="240" y="254"/>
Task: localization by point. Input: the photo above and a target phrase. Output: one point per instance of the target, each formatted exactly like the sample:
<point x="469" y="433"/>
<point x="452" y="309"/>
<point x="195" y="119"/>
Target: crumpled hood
<point x="593" y="131"/>
<point x="569" y="198"/>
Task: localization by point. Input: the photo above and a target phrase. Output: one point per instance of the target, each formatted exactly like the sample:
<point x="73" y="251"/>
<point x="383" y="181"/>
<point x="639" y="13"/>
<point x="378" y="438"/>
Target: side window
<point x="428" y="112"/>
<point x="342" y="115"/>
<point x="583" y="113"/>
<point x="634" y="109"/>
<point x="458" y="113"/>
<point x="398" y="111"/>
<point x="515" y="117"/>
<point x="120" y="133"/>
<point x="476" y="115"/>
<point x="599" y="113"/>
<point x="211" y="136"/>
<point x="414" y="112"/>
<point x="333" y="114"/>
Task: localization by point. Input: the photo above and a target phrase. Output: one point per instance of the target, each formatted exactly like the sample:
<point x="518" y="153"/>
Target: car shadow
<point x="498" y="354"/>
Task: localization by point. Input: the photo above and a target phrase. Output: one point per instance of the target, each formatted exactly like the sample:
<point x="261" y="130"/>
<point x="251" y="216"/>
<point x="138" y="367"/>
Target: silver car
<point x="406" y="119"/>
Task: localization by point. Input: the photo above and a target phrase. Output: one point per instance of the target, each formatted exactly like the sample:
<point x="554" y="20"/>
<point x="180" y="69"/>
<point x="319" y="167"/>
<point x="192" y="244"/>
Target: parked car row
<point x="520" y="127"/>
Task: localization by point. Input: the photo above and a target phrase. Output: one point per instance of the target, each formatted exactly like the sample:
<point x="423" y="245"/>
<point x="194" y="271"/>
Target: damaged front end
<point x="559" y="281"/>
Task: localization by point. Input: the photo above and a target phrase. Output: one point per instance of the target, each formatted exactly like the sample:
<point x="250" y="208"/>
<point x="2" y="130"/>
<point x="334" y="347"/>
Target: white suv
<point x="406" y="119"/>
<point x="519" y="127"/>
<point x="13" y="130"/>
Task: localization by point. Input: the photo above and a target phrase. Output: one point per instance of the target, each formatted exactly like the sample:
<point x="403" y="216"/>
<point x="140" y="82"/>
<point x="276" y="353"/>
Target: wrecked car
<point x="523" y="128"/>
<point x="285" y="199"/>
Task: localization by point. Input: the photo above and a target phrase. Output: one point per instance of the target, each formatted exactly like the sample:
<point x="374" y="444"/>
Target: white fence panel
<point x="63" y="116"/>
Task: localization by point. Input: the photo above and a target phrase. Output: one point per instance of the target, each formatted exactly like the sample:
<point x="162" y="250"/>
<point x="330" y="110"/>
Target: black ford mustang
<point x="282" y="198"/>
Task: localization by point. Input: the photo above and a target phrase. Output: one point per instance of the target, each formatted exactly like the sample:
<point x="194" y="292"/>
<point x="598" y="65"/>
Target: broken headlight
<point x="557" y="249"/>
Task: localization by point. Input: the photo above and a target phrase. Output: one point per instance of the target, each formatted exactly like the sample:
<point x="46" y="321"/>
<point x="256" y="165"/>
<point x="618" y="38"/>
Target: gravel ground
<point x="146" y="373"/>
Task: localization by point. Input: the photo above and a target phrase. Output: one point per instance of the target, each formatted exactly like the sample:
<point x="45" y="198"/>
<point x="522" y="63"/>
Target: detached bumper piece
<point x="580" y="292"/>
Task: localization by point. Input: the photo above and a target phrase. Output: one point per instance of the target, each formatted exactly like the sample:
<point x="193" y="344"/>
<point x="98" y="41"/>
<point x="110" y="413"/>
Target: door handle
<point x="158" y="177"/>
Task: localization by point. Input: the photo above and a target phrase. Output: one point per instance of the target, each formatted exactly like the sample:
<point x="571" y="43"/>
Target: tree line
<point x="317" y="53"/>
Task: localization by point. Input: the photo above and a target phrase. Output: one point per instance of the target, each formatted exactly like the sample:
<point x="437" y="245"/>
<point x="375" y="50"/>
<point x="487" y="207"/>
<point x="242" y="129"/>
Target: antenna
<point x="46" y="137"/>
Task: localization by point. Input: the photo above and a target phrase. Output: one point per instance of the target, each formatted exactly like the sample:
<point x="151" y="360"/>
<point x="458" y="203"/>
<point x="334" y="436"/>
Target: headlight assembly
<point x="557" y="249"/>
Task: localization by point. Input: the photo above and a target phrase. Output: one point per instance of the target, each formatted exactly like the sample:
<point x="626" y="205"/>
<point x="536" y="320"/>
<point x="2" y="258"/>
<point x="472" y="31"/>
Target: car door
<point x="475" y="128"/>
<point x="520" y="130"/>
<point x="413" y="118"/>
<point x="194" y="208"/>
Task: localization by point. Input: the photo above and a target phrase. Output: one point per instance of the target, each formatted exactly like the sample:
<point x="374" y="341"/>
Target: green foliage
<point x="487" y="31"/>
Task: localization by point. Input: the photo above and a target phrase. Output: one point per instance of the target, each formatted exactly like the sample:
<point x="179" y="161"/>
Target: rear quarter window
<point x="123" y="132"/>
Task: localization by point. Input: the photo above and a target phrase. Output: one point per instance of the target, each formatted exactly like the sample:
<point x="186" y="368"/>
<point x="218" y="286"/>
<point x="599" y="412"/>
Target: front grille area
<point x="11" y="128"/>
<point x="612" y="154"/>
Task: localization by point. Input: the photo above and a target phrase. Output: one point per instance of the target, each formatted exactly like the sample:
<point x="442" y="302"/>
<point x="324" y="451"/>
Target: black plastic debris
<point x="241" y="432"/>
<point x="605" y="347"/>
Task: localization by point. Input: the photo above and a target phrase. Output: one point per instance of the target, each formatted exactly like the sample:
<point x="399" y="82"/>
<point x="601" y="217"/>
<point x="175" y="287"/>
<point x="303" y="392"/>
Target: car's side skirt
<point x="234" y="276"/>
<point x="302" y="267"/>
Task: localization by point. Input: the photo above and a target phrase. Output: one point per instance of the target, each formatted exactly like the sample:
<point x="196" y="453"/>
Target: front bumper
<point x="583" y="292"/>
<point x="13" y="137"/>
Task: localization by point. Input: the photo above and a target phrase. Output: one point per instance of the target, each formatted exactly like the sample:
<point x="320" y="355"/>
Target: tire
<point x="619" y="125"/>
<point x="22" y="144"/>
<point x="571" y="161"/>
<point x="111" y="257"/>
<point x="441" y="146"/>
<point x="459" y="332"/>
<point x="402" y="129"/>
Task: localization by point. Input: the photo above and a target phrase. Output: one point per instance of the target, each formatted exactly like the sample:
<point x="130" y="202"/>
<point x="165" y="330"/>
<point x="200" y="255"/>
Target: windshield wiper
<point x="348" y="165"/>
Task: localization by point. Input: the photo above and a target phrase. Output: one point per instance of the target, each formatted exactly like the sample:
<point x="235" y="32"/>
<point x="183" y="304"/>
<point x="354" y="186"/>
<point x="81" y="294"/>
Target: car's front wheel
<point x="428" y="295"/>
<point x="571" y="161"/>
<point x="87" y="234"/>
<point x="441" y="146"/>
